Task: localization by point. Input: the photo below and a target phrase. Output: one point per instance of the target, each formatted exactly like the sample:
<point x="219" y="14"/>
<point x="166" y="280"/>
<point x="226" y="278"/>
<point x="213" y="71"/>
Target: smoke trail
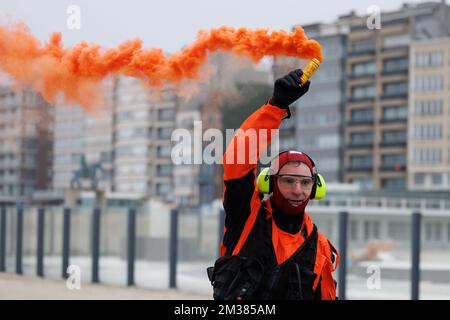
<point x="77" y="72"/>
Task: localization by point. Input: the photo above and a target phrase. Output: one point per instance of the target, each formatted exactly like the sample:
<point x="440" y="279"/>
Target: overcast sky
<point x="171" y="24"/>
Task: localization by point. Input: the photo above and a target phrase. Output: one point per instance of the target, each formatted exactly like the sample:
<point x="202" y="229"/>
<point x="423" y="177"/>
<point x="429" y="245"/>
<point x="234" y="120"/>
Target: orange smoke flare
<point x="77" y="72"/>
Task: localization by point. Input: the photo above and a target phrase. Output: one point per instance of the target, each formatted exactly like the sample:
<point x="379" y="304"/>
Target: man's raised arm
<point x="246" y="147"/>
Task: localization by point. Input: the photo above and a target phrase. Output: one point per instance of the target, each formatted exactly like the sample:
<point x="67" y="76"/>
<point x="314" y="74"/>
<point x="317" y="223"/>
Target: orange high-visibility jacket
<point x="244" y="205"/>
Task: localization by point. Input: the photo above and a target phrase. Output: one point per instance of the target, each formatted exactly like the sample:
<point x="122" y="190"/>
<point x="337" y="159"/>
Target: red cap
<point x="290" y="156"/>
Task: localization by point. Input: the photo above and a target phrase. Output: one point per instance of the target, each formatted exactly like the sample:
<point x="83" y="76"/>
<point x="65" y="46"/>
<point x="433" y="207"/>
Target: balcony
<point x="7" y="164"/>
<point x="362" y="52"/>
<point x="395" y="72"/>
<point x="368" y="145"/>
<point x="394" y="96"/>
<point x="363" y="122"/>
<point x="360" y="168"/>
<point x="393" y="120"/>
<point x="388" y="144"/>
<point x="398" y="167"/>
<point x="401" y="47"/>
<point x="360" y="99"/>
<point x="361" y="76"/>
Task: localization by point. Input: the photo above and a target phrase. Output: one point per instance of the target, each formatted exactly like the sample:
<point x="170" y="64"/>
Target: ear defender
<point x="263" y="181"/>
<point x="318" y="192"/>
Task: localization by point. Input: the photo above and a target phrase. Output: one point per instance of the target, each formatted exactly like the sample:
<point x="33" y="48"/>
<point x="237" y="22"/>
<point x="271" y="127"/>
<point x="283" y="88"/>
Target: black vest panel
<point x="255" y="274"/>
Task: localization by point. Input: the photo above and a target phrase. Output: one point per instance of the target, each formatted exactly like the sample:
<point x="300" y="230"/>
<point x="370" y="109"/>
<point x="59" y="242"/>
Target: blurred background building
<point x="26" y="143"/>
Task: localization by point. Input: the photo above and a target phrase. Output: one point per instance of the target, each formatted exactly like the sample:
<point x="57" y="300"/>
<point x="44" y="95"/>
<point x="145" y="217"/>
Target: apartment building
<point x="377" y="92"/>
<point x="316" y="127"/>
<point x="26" y="134"/>
<point x="82" y="135"/>
<point x="143" y="121"/>
<point x="429" y="115"/>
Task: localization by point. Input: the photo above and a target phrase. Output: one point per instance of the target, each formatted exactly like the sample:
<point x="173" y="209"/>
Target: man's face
<point x="295" y="183"/>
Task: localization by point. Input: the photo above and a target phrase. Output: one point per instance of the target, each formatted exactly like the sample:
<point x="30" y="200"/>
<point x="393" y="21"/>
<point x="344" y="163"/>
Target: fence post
<point x="173" y="248"/>
<point x="131" y="245"/>
<point x="343" y="221"/>
<point x="2" y="238"/>
<point x="221" y="227"/>
<point x="415" y="254"/>
<point x="66" y="242"/>
<point x="40" y="243"/>
<point x="19" y="239"/>
<point x="95" y="236"/>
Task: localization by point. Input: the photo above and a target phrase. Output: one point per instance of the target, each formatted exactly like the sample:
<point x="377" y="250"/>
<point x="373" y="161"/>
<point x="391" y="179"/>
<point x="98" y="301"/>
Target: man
<point x="271" y="249"/>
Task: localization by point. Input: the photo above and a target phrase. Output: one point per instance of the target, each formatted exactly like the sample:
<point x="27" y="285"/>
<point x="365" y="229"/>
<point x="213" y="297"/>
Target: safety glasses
<point x="289" y="181"/>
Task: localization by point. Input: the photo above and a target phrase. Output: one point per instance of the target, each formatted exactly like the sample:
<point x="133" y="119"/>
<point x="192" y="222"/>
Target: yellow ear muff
<point x="263" y="181"/>
<point x="321" y="188"/>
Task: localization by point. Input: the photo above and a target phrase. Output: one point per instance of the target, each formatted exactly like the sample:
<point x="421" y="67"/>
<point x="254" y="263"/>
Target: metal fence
<point x="91" y="236"/>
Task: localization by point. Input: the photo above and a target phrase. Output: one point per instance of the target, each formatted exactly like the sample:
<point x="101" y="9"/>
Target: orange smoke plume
<point x="77" y="72"/>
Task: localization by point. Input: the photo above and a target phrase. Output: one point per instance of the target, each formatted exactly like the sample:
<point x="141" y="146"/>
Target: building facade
<point x="377" y="92"/>
<point x="142" y="125"/>
<point x="429" y="115"/>
<point x="83" y="136"/>
<point x="26" y="136"/>
<point x="317" y="124"/>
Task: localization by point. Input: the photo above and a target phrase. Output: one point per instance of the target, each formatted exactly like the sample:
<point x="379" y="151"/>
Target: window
<point x="436" y="179"/>
<point x="428" y="83"/>
<point x="427" y="156"/>
<point x="398" y="230"/>
<point x="328" y="141"/>
<point x="163" y="189"/>
<point x="361" y="92"/>
<point x="371" y="230"/>
<point x="362" y="115"/>
<point x="429" y="59"/>
<point x="185" y="180"/>
<point x="363" y="68"/>
<point x="166" y="114"/>
<point x="361" y="161"/>
<point x="329" y="164"/>
<point x="428" y="107"/>
<point x="419" y="179"/>
<point x="307" y="141"/>
<point x="393" y="159"/>
<point x="433" y="231"/>
<point x="395" y="113"/>
<point x="353" y="230"/>
<point x="164" y="170"/>
<point x="395" y="88"/>
<point x="139" y="151"/>
<point x="164" y="151"/>
<point x="361" y="138"/>
<point x="164" y="133"/>
<point x="393" y="65"/>
<point x="393" y="183"/>
<point x="427" y="131"/>
<point x="394" y="136"/>
<point x="396" y="40"/>
<point x="130" y="133"/>
<point x="363" y="46"/>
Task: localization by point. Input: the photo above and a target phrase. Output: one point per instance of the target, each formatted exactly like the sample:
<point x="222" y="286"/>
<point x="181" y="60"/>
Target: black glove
<point x="287" y="89"/>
